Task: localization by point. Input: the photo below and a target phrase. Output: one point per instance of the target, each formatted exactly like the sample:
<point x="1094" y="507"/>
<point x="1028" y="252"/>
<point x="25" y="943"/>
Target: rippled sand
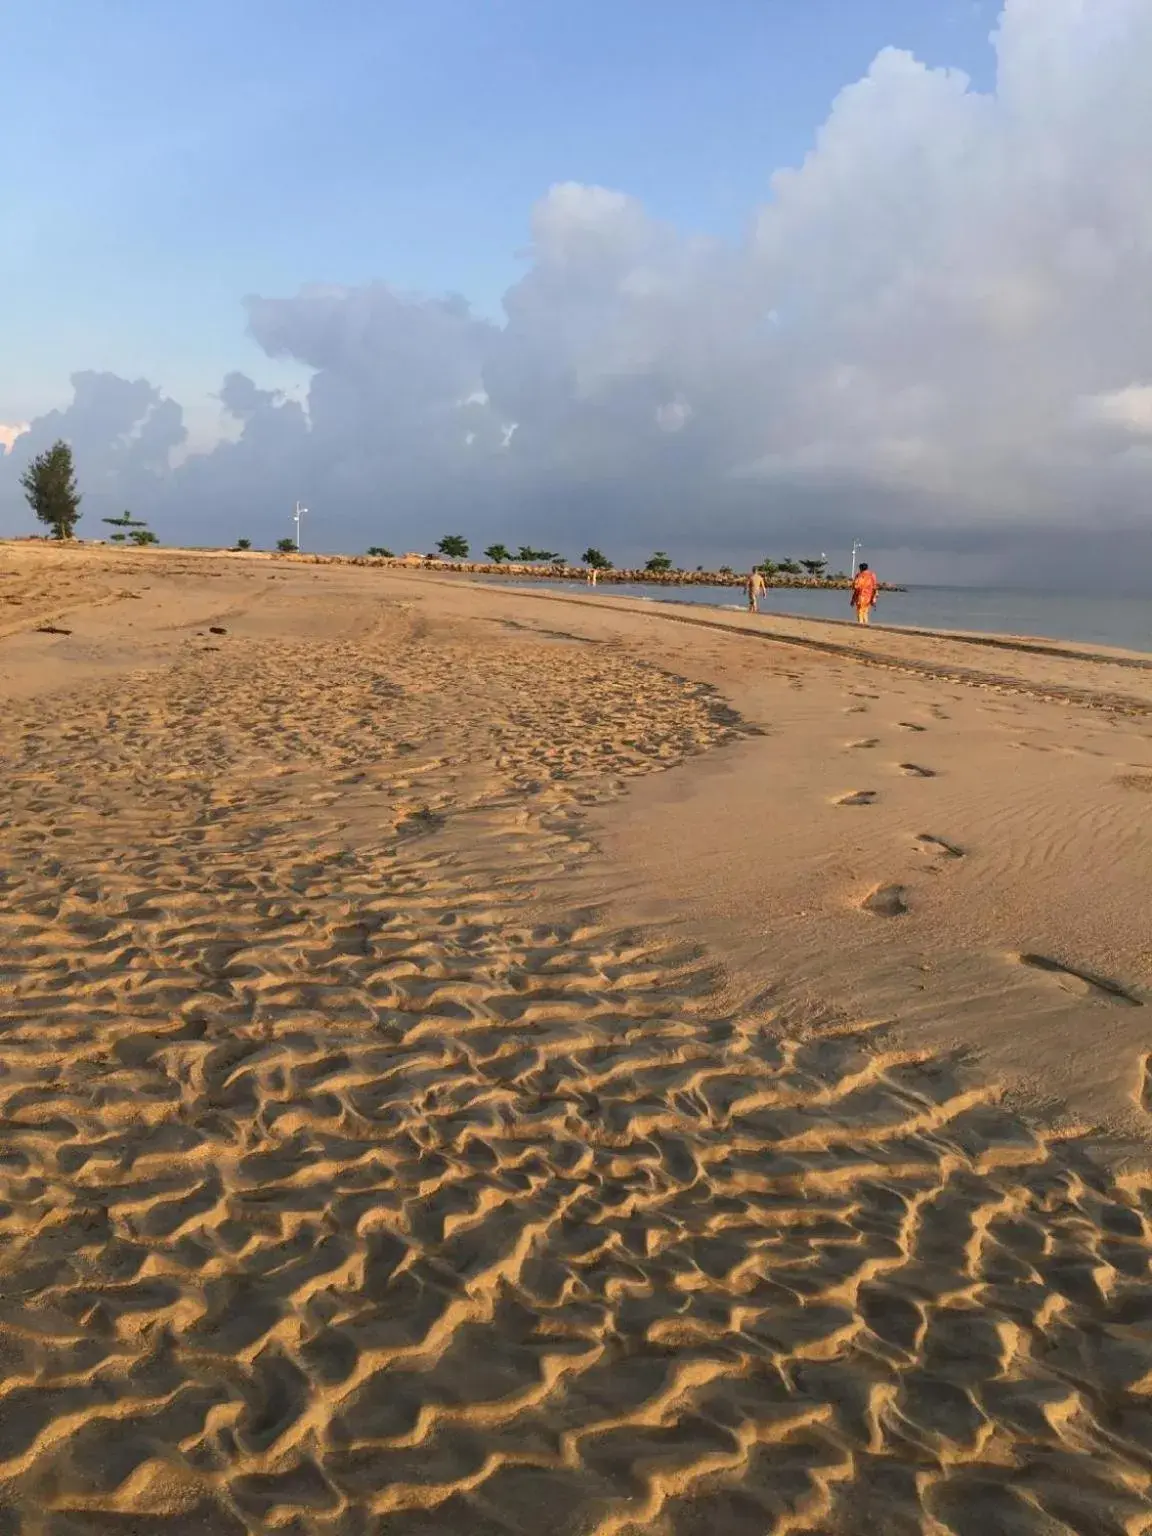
<point x="351" y="1184"/>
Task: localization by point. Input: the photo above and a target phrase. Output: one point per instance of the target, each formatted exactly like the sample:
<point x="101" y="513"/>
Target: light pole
<point x="300" y="511"/>
<point x="855" y="553"/>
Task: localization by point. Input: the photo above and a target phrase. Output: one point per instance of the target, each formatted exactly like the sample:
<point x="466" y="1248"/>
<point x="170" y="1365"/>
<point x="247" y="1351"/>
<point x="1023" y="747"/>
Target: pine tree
<point x="50" y="487"/>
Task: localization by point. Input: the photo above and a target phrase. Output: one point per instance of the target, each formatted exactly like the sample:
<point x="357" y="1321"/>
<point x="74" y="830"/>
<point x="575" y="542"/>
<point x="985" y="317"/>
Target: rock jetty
<point x="512" y="568"/>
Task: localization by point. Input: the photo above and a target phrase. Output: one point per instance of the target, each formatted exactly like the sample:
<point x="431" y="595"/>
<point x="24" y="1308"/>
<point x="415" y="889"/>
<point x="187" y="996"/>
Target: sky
<point x="759" y="276"/>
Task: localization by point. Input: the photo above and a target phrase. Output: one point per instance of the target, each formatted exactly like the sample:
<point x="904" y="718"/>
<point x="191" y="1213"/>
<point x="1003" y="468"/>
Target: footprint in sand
<point x="1080" y="982"/>
<point x="859" y="746"/>
<point x="914" y="771"/>
<point x="937" y="847"/>
<point x="909" y="725"/>
<point x="886" y="901"/>
<point x="858" y="797"/>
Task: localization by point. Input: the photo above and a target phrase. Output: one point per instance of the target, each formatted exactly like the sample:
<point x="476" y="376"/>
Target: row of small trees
<point x="790" y="567"/>
<point x="454" y="546"/>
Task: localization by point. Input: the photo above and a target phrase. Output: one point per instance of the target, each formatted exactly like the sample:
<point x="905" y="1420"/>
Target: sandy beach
<point x="494" y="1062"/>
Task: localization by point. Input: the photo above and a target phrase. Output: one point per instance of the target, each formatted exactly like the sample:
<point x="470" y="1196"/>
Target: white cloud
<point x="936" y="332"/>
<point x="673" y="415"/>
<point x="1130" y="409"/>
<point x="9" y="434"/>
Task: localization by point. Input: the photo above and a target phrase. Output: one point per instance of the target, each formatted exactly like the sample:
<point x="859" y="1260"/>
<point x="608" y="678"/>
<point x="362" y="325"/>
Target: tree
<point x="768" y="568"/>
<point x="243" y="543"/>
<point x="526" y="555"/>
<point x="726" y="570"/>
<point x="378" y="552"/>
<point x="595" y="559"/>
<point x="133" y="529"/>
<point x="453" y="546"/>
<point x="659" y="562"/>
<point x="497" y="553"/>
<point x="789" y="567"/>
<point x="814" y="567"/>
<point x="125" y="520"/>
<point x="50" y="487"/>
<point x="286" y="546"/>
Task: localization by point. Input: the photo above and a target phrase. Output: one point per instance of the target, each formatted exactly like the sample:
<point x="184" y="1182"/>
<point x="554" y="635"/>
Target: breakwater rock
<point x="512" y="569"/>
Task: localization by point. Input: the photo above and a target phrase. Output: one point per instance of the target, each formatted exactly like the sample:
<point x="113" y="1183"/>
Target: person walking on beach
<point x="755" y="588"/>
<point x="593" y="575"/>
<point x="864" y="588"/>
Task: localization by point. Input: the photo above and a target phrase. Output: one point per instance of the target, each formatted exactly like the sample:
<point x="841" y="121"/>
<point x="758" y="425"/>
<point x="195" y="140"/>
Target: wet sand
<point x="482" y="1062"/>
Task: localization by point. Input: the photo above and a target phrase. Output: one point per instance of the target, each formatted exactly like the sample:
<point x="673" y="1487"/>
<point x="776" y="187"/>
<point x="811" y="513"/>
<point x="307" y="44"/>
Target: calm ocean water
<point x="1122" y="621"/>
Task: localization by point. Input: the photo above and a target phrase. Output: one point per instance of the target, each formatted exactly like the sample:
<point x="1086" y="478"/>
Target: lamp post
<point x="300" y="511"/>
<point x="855" y="554"/>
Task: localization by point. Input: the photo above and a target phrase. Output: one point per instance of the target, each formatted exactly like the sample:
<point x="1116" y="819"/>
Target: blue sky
<point x="163" y="161"/>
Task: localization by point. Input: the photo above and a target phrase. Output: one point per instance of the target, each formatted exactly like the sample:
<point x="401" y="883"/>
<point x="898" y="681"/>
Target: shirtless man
<point x="755" y="589"/>
<point x="864" y="588"/>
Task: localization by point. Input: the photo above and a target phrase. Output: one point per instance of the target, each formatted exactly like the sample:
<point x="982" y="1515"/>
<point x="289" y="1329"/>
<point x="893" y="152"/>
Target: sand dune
<point x="352" y="1182"/>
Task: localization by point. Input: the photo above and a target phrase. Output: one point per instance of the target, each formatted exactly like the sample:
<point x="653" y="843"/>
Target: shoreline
<point x="1055" y="646"/>
<point x="1039" y="645"/>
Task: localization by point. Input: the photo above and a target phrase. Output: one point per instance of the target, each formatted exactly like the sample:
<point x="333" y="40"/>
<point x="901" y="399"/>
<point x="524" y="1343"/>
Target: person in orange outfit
<point x="864" y="588"/>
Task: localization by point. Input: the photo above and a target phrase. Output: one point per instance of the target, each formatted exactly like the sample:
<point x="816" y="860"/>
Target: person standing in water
<point x="864" y="588"/>
<point x="755" y="588"/>
<point x="593" y="575"/>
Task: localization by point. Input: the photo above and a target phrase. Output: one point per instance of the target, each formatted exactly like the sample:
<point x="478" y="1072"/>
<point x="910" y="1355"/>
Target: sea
<point x="1115" y="621"/>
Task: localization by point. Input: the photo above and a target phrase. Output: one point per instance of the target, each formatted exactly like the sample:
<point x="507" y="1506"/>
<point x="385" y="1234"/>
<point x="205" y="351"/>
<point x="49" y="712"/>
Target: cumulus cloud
<point x="936" y="335"/>
<point x="123" y="434"/>
<point x="9" y="433"/>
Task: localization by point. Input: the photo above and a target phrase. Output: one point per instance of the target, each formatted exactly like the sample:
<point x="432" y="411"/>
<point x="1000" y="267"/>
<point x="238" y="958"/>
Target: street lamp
<point x="300" y="511"/>
<point x="855" y="554"/>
